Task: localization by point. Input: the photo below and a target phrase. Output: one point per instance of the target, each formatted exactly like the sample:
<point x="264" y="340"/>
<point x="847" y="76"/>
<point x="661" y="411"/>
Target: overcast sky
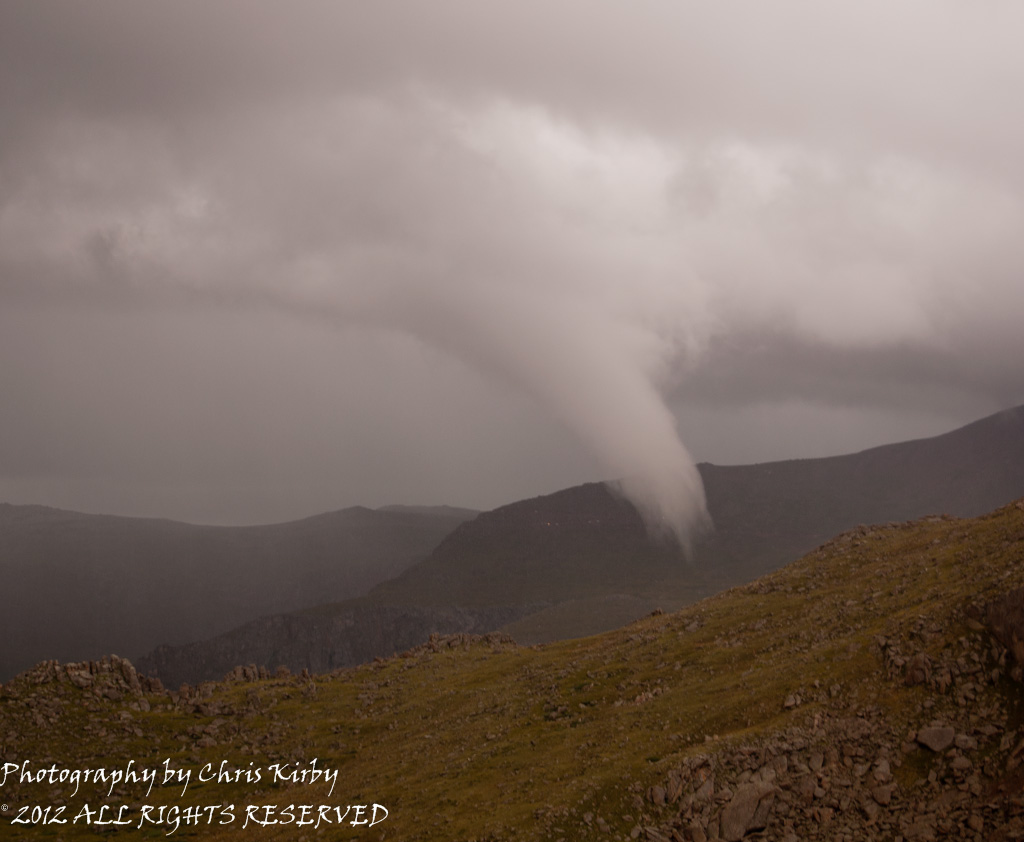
<point x="260" y="260"/>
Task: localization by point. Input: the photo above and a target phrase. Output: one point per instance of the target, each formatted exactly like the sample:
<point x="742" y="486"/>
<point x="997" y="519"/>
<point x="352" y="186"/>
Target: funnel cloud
<point x="257" y="263"/>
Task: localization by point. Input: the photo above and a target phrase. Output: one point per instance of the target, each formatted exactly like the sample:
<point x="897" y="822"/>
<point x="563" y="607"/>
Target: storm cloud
<point x="259" y="261"/>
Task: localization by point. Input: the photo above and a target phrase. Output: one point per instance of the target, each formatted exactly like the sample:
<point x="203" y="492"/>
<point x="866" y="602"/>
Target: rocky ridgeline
<point x="111" y="677"/>
<point x="38" y="700"/>
<point x="951" y="770"/>
<point x="497" y="641"/>
<point x="44" y="692"/>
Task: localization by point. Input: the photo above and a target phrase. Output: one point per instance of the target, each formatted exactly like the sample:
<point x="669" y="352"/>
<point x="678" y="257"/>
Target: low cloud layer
<point x="277" y="261"/>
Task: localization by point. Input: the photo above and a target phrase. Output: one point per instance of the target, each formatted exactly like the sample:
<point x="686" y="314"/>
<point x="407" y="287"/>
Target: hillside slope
<point x="856" y="694"/>
<point x="580" y="561"/>
<point x="89" y="584"/>
<point x="792" y="506"/>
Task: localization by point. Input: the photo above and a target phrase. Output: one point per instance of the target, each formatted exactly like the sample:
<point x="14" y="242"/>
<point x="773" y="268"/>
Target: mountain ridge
<point x="571" y="558"/>
<point x="93" y="583"/>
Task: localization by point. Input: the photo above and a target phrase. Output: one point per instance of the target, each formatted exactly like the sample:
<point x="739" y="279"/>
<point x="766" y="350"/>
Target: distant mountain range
<point x="78" y="585"/>
<point x="580" y="561"/>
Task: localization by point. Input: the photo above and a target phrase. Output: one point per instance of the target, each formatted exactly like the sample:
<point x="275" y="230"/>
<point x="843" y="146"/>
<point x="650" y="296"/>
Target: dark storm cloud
<point x="556" y="214"/>
<point x="766" y="367"/>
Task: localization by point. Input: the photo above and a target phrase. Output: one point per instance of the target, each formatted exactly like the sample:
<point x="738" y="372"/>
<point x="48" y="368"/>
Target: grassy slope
<point x="487" y="738"/>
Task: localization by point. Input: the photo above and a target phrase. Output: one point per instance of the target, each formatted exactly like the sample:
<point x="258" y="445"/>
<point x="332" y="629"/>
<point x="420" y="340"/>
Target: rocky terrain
<point x="850" y="773"/>
<point x="869" y="691"/>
